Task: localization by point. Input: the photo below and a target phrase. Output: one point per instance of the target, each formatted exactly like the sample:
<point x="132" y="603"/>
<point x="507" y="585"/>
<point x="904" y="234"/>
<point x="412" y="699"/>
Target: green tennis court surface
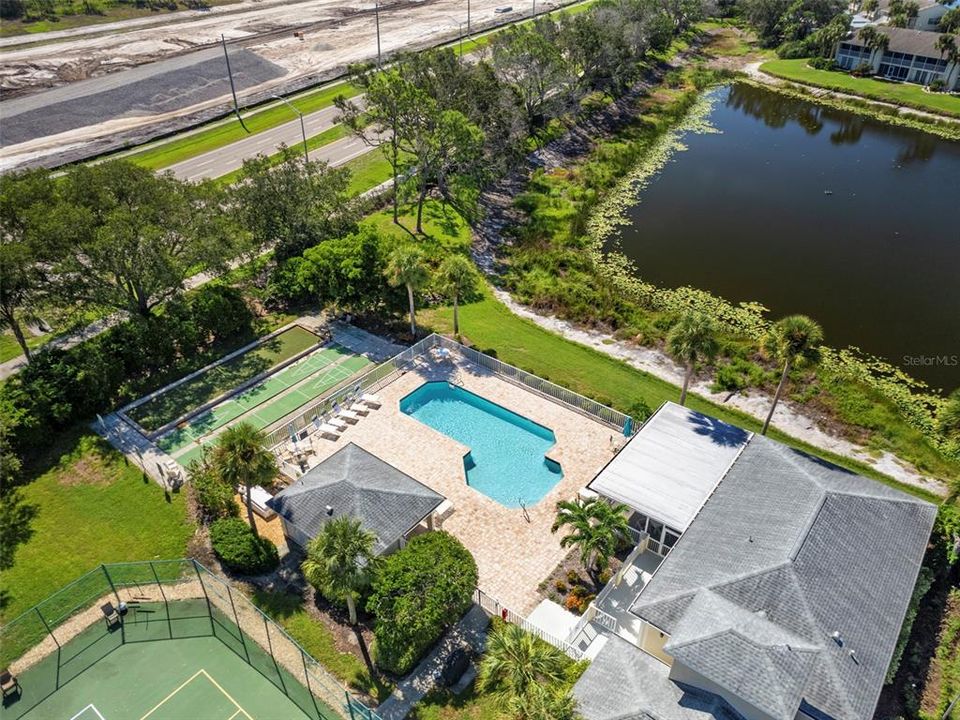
<point x="185" y="678"/>
<point x="180" y="400"/>
<point x="268" y="400"/>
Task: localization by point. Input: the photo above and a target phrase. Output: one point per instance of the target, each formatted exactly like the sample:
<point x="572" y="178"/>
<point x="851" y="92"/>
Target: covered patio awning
<point x="672" y="464"/>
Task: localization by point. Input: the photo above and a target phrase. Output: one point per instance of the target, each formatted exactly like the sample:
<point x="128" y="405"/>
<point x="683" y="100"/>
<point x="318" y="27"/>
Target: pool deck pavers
<point x="514" y="549"/>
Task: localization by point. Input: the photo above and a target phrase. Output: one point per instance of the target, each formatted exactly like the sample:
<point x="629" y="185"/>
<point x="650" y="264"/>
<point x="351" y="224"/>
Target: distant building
<point x="928" y="14"/>
<point x="911" y="56"/>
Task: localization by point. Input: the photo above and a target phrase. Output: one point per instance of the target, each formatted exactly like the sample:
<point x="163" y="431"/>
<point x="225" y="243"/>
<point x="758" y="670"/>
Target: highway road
<point x="223" y="160"/>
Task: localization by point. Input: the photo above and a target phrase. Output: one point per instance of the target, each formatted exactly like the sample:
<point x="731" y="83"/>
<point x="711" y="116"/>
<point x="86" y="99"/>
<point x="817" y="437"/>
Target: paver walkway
<point x="470" y="631"/>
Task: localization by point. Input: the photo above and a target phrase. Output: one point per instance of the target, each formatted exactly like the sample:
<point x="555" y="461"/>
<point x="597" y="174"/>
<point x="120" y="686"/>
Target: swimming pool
<point x="507" y="460"/>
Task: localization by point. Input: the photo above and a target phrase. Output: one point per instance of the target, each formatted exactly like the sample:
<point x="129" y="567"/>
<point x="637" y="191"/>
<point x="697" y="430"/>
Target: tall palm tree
<point x="692" y="339"/>
<point x="873" y="40"/>
<point x="597" y="527"/>
<point x="407" y="266"/>
<point x="242" y="459"/>
<point x="947" y="46"/>
<point x="515" y="663"/>
<point x="458" y="278"/>
<point x="793" y="341"/>
<point x="340" y="561"/>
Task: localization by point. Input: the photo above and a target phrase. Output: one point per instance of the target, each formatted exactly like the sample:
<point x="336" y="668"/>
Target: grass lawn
<point x="897" y="93"/>
<point x="492" y="328"/>
<point x="89" y="507"/>
<point x="223" y="132"/>
<point x="444" y="230"/>
<point x="316" y="639"/>
<point x="469" y="705"/>
<point x="176" y="402"/>
<point x="10" y="348"/>
<point x="367" y="171"/>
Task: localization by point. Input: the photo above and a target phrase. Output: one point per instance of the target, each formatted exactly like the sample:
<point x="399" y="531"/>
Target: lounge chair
<point x="348" y="415"/>
<point x="9" y="684"/>
<point x="110" y="615"/>
<point x="360" y="409"/>
<point x="371" y="400"/>
<point x="329" y="431"/>
<point x="337" y="422"/>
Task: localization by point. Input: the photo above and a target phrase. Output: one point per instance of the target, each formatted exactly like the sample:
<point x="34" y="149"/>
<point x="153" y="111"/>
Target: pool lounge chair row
<point x="342" y="417"/>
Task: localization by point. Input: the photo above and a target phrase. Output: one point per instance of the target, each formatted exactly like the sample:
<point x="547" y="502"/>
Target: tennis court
<point x="266" y="402"/>
<point x="198" y="678"/>
<point x="187" y="646"/>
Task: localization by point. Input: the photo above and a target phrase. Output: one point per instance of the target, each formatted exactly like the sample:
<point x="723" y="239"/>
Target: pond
<point x="813" y="210"/>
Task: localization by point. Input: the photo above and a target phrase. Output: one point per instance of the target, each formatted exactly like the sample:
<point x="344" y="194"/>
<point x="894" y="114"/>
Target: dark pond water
<point x="815" y="211"/>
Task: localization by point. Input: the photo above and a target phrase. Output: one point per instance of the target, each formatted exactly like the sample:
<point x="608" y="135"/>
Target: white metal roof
<point x="672" y="464"/>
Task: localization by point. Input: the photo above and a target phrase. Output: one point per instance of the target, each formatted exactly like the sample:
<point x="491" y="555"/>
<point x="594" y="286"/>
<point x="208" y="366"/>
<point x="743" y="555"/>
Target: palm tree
<point x="794" y="341"/>
<point x="873" y="40"/>
<point x="544" y="703"/>
<point x="242" y="459"/>
<point x="340" y="561"/>
<point x="458" y="278"/>
<point x="515" y="663"/>
<point x="693" y="338"/>
<point x="407" y="266"/>
<point x="947" y="45"/>
<point x="598" y="528"/>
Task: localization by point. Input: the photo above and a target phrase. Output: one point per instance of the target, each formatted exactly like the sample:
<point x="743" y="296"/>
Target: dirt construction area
<point x="67" y="94"/>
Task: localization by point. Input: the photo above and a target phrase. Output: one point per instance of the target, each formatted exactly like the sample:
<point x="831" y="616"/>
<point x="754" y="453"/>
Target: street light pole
<point x="377" y="12"/>
<point x="468" y="17"/>
<point x="461" y="41"/>
<point x="303" y="128"/>
<point x="534" y="9"/>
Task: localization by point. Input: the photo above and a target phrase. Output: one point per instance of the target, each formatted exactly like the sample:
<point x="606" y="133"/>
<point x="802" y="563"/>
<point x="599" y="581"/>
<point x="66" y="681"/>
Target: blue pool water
<point x="507" y="459"/>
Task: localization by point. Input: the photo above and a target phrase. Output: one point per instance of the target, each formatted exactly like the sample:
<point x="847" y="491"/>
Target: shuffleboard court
<point x="180" y="400"/>
<point x="267" y="402"/>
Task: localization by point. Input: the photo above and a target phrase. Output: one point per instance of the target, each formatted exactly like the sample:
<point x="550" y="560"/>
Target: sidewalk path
<point x="471" y="631"/>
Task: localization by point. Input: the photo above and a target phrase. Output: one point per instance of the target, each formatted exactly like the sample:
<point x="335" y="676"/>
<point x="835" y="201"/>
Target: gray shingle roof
<point x="904" y="40"/>
<point x="624" y="683"/>
<point x="358" y="484"/>
<point x="788" y="550"/>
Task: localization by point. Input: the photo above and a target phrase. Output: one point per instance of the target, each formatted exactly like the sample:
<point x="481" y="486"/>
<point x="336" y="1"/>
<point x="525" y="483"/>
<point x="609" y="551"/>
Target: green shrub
<point x="822" y="63"/>
<point x="418" y="593"/>
<point x="793" y="50"/>
<point x="240" y="550"/>
<point x="213" y="495"/>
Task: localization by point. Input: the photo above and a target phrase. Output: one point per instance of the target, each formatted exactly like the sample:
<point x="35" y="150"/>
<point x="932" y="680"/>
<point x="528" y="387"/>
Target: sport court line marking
<point x="187" y="682"/>
<point x="91" y="706"/>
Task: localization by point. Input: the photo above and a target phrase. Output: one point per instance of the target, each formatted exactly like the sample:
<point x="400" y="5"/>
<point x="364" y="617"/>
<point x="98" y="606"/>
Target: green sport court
<point x="187" y="663"/>
<point x="266" y="402"/>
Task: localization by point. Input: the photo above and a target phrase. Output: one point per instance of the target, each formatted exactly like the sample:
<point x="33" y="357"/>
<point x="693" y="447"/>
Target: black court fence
<point x="69" y="632"/>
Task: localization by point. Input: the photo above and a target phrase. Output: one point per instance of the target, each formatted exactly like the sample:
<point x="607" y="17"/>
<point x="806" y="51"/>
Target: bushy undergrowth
<point x="240" y="550"/>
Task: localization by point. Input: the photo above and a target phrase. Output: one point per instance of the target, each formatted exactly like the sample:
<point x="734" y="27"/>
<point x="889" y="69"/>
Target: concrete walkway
<point x="470" y="631"/>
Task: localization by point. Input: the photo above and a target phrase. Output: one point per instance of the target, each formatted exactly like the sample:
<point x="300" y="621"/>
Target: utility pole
<point x="534" y="13"/>
<point x="233" y="89"/>
<point x="303" y="129"/>
<point x="377" y="12"/>
<point x="461" y="42"/>
<point x="468" y="17"/>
